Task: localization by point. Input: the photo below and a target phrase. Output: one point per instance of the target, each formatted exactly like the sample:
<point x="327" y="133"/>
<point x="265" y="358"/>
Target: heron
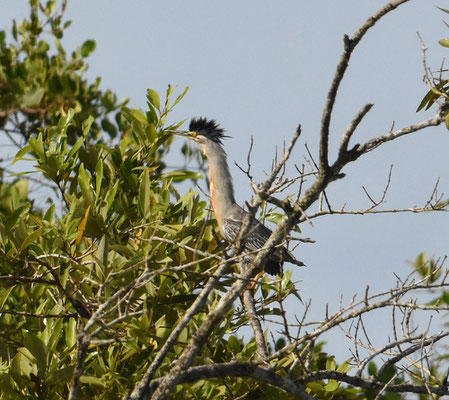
<point x="229" y="215"/>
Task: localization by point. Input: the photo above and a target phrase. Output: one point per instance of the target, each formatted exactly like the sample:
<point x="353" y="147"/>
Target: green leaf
<point x="14" y="30"/>
<point x="54" y="329"/>
<point x="428" y="100"/>
<point x="17" y="215"/>
<point x="99" y="177"/>
<point x="345" y="366"/>
<point x="21" y="365"/>
<point x="234" y="344"/>
<point x="167" y="229"/>
<point x="109" y="127"/>
<point x="32" y="237"/>
<point x="153" y="98"/>
<point x="181" y="175"/>
<point x="163" y="326"/>
<point x="179" y="98"/>
<point x="372" y="368"/>
<point x="144" y="193"/>
<point x="85" y="184"/>
<point x="92" y="380"/>
<point x="136" y="115"/>
<point x="35" y="346"/>
<point x="388" y="374"/>
<point x="444" y="298"/>
<point x="32" y="98"/>
<point x="82" y="226"/>
<point x="23" y="173"/>
<point x="49" y="213"/>
<point x="75" y="148"/>
<point x="4" y="295"/>
<point x="123" y="250"/>
<point x="444" y="42"/>
<point x="50" y="6"/>
<point x="103" y="252"/>
<point x="37" y="146"/>
<point x="280" y="343"/>
<point x="175" y="127"/>
<point x="70" y="333"/>
<point x="331" y="386"/>
<point x="87" y="124"/>
<point x="61" y="376"/>
<point x="87" y="48"/>
<point x="331" y="365"/>
<point x="152" y="114"/>
<point x="110" y="197"/>
<point x="21" y="153"/>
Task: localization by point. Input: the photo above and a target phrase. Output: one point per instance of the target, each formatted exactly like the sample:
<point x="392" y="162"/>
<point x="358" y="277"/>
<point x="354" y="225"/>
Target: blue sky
<point x="262" y="67"/>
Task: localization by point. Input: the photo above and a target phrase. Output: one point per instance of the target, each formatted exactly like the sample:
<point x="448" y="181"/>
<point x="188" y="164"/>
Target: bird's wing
<point x="257" y="235"/>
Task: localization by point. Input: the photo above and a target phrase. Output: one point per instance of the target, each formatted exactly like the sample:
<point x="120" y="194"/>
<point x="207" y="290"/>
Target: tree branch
<point x="349" y="46"/>
<point x="269" y="376"/>
<point x="237" y="369"/>
<point x="198" y="304"/>
<point x="248" y="301"/>
<point x="360" y="382"/>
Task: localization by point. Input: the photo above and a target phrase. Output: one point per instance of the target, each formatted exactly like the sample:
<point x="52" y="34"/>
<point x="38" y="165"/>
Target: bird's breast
<point x="214" y="200"/>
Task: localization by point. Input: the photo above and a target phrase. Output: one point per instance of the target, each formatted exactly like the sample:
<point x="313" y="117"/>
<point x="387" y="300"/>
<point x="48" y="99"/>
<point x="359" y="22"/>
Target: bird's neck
<point x="221" y="188"/>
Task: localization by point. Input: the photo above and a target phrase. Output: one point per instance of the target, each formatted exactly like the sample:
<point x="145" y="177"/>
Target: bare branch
<point x="248" y="300"/>
<point x="239" y="370"/>
<point x="349" y="46"/>
<point x="376" y="142"/>
<point x="351" y="129"/>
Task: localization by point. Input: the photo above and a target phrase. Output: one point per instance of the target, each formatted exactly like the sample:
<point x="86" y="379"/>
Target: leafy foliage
<point x="116" y="201"/>
<point x="123" y="255"/>
<point x="439" y="88"/>
<point x="38" y="86"/>
<point x="124" y="229"/>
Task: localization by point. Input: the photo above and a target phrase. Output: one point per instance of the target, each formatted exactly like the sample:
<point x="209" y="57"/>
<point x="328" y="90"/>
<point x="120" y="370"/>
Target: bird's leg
<point x="246" y="260"/>
<point x="252" y="285"/>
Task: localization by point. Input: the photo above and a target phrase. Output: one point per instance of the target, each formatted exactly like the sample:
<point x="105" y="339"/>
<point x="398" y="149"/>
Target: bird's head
<point x="203" y="131"/>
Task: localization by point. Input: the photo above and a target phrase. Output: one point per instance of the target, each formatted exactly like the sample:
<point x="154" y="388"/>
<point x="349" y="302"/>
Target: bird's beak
<point x="187" y="134"/>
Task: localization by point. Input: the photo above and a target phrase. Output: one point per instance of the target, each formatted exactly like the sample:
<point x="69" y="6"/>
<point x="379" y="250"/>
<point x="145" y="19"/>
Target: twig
<point x="349" y="46"/>
<point x="248" y="301"/>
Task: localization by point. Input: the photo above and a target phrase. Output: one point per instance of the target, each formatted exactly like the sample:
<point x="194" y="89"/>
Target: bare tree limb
<point x="349" y="46"/>
<point x="269" y="376"/>
<point x="248" y="300"/>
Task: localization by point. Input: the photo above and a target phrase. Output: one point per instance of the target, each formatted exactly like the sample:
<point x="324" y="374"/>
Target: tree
<point x="126" y="291"/>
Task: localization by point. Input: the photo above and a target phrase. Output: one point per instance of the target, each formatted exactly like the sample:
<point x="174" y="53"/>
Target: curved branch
<point x="376" y="142"/>
<point x="248" y="301"/>
<point x="297" y="386"/>
<point x="350" y="44"/>
<point x="351" y="312"/>
<point x="237" y="369"/>
<point x="362" y="383"/>
<point x="404" y="353"/>
<point x="352" y="127"/>
<point x="414" y="210"/>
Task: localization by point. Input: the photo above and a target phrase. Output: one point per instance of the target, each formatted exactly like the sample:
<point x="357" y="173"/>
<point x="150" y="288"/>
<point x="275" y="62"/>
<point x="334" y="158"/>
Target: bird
<point x="229" y="215"/>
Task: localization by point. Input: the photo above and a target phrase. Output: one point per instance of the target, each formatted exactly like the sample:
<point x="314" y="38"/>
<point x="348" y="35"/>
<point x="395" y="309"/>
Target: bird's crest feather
<point x="207" y="128"/>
